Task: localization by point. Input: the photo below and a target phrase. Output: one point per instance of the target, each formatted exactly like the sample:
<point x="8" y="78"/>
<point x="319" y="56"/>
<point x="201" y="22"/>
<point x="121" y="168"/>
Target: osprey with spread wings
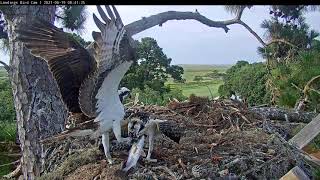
<point x="88" y="79"/>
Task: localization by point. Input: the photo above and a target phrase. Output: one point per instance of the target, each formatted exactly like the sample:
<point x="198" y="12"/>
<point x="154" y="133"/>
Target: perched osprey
<point x="141" y="126"/>
<point x="88" y="79"/>
<point x="75" y="119"/>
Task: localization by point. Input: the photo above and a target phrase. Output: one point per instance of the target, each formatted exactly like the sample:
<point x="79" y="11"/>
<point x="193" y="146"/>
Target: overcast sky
<point x="190" y="42"/>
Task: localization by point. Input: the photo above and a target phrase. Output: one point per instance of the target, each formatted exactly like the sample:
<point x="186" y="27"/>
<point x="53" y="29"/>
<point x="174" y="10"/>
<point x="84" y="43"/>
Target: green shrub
<point x="149" y="96"/>
<point x="248" y="81"/>
<point x="299" y="72"/>
<point x="7" y="111"/>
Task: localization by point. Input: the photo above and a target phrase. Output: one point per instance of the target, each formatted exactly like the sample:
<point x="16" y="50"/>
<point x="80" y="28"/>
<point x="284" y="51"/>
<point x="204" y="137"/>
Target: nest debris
<point x="222" y="139"/>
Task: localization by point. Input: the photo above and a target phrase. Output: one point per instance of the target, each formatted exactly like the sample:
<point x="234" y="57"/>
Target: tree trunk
<point x="40" y="110"/>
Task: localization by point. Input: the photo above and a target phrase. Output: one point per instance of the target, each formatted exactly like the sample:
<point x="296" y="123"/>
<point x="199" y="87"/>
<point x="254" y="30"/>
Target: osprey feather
<point x="88" y="79"/>
<point x="141" y="125"/>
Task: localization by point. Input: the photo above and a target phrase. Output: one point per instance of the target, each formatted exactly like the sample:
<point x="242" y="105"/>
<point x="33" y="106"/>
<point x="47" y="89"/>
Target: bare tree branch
<point x="7" y="67"/>
<point x="297" y="87"/>
<point x="308" y="85"/>
<point x="282" y="41"/>
<point x="158" y="19"/>
<point x="252" y="32"/>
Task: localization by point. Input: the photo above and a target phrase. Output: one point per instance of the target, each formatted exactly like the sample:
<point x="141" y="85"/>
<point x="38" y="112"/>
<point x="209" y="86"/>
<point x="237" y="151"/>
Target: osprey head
<point x="137" y="124"/>
<point x="123" y="93"/>
<point x="134" y="127"/>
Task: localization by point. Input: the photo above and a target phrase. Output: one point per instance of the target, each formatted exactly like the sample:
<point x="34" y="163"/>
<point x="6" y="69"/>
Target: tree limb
<point x="7" y="67"/>
<point x="158" y="19"/>
<point x="282" y="41"/>
<point x="308" y="85"/>
<point x="252" y="32"/>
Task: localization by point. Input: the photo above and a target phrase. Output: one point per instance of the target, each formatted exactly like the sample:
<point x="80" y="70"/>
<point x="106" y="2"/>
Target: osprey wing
<point x="114" y="55"/>
<point x="68" y="61"/>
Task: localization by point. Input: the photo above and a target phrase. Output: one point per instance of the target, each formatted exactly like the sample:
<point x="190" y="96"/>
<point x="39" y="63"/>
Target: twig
<point x="11" y="163"/>
<point x="14" y="173"/>
<point x="205" y="125"/>
<point x="262" y="105"/>
<point x="244" y="118"/>
<point x="190" y="110"/>
<point x="11" y="155"/>
<point x="184" y="167"/>
<point x="199" y="112"/>
<point x="295" y="86"/>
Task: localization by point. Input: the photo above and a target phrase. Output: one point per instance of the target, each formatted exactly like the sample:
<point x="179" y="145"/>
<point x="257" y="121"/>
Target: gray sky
<point x="190" y="42"/>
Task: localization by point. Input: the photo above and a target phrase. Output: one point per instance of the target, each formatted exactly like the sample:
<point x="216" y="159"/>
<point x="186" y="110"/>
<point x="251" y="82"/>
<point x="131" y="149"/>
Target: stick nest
<point x="222" y="139"/>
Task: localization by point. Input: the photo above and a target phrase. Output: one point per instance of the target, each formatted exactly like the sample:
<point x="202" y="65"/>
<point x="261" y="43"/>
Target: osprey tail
<point x="88" y="128"/>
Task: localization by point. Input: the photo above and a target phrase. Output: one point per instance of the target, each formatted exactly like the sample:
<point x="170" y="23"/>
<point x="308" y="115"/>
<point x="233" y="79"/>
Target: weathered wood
<point x="307" y="134"/>
<point x="158" y="19"/>
<point x="295" y="173"/>
<point x="40" y="111"/>
<point x="284" y="114"/>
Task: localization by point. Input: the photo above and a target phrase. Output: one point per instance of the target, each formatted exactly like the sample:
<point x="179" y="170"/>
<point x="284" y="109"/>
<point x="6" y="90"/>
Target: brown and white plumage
<point x="68" y="61"/>
<point x="141" y="125"/>
<point x="88" y="79"/>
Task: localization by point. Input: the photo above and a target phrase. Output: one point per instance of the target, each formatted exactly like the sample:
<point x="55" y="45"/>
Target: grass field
<point x="3" y="73"/>
<point x="199" y="88"/>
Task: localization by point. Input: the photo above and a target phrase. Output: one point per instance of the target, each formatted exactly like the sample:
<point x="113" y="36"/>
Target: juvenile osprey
<point x="141" y="126"/>
<point x="88" y="79"/>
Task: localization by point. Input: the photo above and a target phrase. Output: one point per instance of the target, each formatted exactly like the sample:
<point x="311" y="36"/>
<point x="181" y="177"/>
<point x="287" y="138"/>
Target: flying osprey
<point x="88" y="79"/>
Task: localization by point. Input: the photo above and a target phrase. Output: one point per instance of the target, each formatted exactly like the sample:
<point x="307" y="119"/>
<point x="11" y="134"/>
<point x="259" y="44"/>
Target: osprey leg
<point x="151" y="135"/>
<point x="106" y="146"/>
<point x="117" y="132"/>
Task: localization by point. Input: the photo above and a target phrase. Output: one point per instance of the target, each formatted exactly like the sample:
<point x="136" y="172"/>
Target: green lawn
<point x="199" y="88"/>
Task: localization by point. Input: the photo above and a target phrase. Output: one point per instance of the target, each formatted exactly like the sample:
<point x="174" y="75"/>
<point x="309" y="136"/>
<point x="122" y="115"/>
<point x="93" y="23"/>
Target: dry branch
<point x="11" y="163"/>
<point x="6" y="66"/>
<point x="282" y="41"/>
<point x="158" y="19"/>
<point x="14" y="173"/>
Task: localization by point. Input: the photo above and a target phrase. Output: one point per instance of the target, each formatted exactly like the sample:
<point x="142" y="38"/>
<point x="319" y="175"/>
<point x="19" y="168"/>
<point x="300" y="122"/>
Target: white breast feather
<point x="108" y="104"/>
